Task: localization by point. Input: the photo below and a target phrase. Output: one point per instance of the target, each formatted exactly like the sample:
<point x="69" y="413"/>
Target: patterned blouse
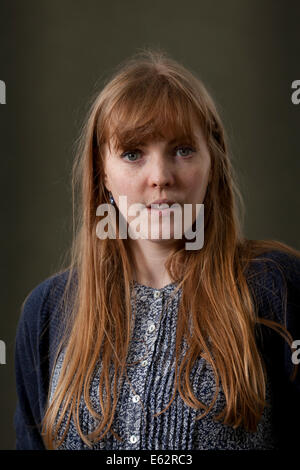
<point x="150" y="386"/>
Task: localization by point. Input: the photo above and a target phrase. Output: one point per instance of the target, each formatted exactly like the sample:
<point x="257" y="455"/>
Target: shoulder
<point x="273" y="278"/>
<point x="274" y="266"/>
<point x="45" y="294"/>
<point x="276" y="262"/>
<point x="41" y="309"/>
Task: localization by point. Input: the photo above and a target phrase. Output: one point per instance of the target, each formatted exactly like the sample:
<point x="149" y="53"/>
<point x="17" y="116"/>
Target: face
<point x="175" y="171"/>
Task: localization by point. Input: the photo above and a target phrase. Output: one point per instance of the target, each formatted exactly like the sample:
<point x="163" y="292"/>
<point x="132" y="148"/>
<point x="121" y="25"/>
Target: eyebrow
<point x="173" y="141"/>
<point x="134" y="143"/>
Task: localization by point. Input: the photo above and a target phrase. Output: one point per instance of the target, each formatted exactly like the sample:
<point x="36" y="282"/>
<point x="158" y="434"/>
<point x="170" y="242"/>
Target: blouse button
<point x="151" y="328"/>
<point x="133" y="439"/>
<point x="144" y="363"/>
<point x="157" y="294"/>
<point x="136" y="398"/>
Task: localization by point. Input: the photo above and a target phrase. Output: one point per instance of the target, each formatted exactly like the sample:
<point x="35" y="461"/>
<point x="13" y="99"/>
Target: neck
<point x="148" y="259"/>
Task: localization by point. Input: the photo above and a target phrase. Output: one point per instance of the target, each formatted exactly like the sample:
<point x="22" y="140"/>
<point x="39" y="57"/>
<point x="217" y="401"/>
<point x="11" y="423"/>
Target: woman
<point x="142" y="343"/>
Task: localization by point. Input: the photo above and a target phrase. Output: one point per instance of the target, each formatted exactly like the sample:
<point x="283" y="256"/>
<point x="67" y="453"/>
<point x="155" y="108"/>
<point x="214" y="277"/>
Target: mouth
<point x="162" y="207"/>
<point x="161" y="204"/>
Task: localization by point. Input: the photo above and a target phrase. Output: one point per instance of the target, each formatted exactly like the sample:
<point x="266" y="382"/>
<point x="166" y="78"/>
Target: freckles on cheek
<point x="194" y="181"/>
<point x="196" y="184"/>
<point x="124" y="188"/>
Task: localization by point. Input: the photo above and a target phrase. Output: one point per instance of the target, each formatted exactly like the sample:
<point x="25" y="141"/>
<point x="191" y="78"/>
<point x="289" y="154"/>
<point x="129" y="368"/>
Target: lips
<point x="160" y="202"/>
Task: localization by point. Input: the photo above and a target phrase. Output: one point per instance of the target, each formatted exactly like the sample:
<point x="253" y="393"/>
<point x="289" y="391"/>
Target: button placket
<point x="138" y="381"/>
<point x="134" y="416"/>
<point x="155" y="314"/>
<point x="150" y="336"/>
<point x="147" y="329"/>
<point x="132" y="413"/>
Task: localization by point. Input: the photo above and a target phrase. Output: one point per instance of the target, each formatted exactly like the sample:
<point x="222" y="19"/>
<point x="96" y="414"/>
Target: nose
<point x="160" y="173"/>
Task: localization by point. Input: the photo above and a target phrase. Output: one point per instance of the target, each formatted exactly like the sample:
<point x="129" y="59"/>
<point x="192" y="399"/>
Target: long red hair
<point x="151" y="94"/>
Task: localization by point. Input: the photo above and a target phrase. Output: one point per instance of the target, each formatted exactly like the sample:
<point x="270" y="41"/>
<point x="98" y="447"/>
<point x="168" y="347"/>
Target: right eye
<point x="129" y="154"/>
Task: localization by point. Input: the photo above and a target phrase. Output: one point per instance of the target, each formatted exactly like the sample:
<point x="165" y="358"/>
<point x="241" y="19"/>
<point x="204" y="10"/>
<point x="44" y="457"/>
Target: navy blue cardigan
<point x="274" y="283"/>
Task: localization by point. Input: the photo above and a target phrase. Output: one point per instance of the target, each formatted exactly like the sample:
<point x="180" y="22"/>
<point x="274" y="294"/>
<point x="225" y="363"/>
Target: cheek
<point x="124" y="186"/>
<point x="196" y="183"/>
<point x="196" y="179"/>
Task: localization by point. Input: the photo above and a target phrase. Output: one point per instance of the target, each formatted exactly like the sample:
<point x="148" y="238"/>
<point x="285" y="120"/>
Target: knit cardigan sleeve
<point x="27" y="417"/>
<point x="274" y="280"/>
<point x="37" y="336"/>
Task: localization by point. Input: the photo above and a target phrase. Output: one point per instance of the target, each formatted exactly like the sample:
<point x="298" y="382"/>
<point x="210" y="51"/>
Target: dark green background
<point x="55" y="54"/>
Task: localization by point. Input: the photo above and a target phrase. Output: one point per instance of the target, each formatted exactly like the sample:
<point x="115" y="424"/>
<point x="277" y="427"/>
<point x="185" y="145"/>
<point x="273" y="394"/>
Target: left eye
<point x="186" y="150"/>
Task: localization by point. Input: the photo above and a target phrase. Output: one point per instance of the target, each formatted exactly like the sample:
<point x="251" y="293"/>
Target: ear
<point x="107" y="187"/>
<point x="106" y="182"/>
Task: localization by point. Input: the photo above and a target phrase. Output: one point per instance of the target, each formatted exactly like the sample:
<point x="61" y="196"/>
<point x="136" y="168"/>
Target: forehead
<point x="123" y="135"/>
